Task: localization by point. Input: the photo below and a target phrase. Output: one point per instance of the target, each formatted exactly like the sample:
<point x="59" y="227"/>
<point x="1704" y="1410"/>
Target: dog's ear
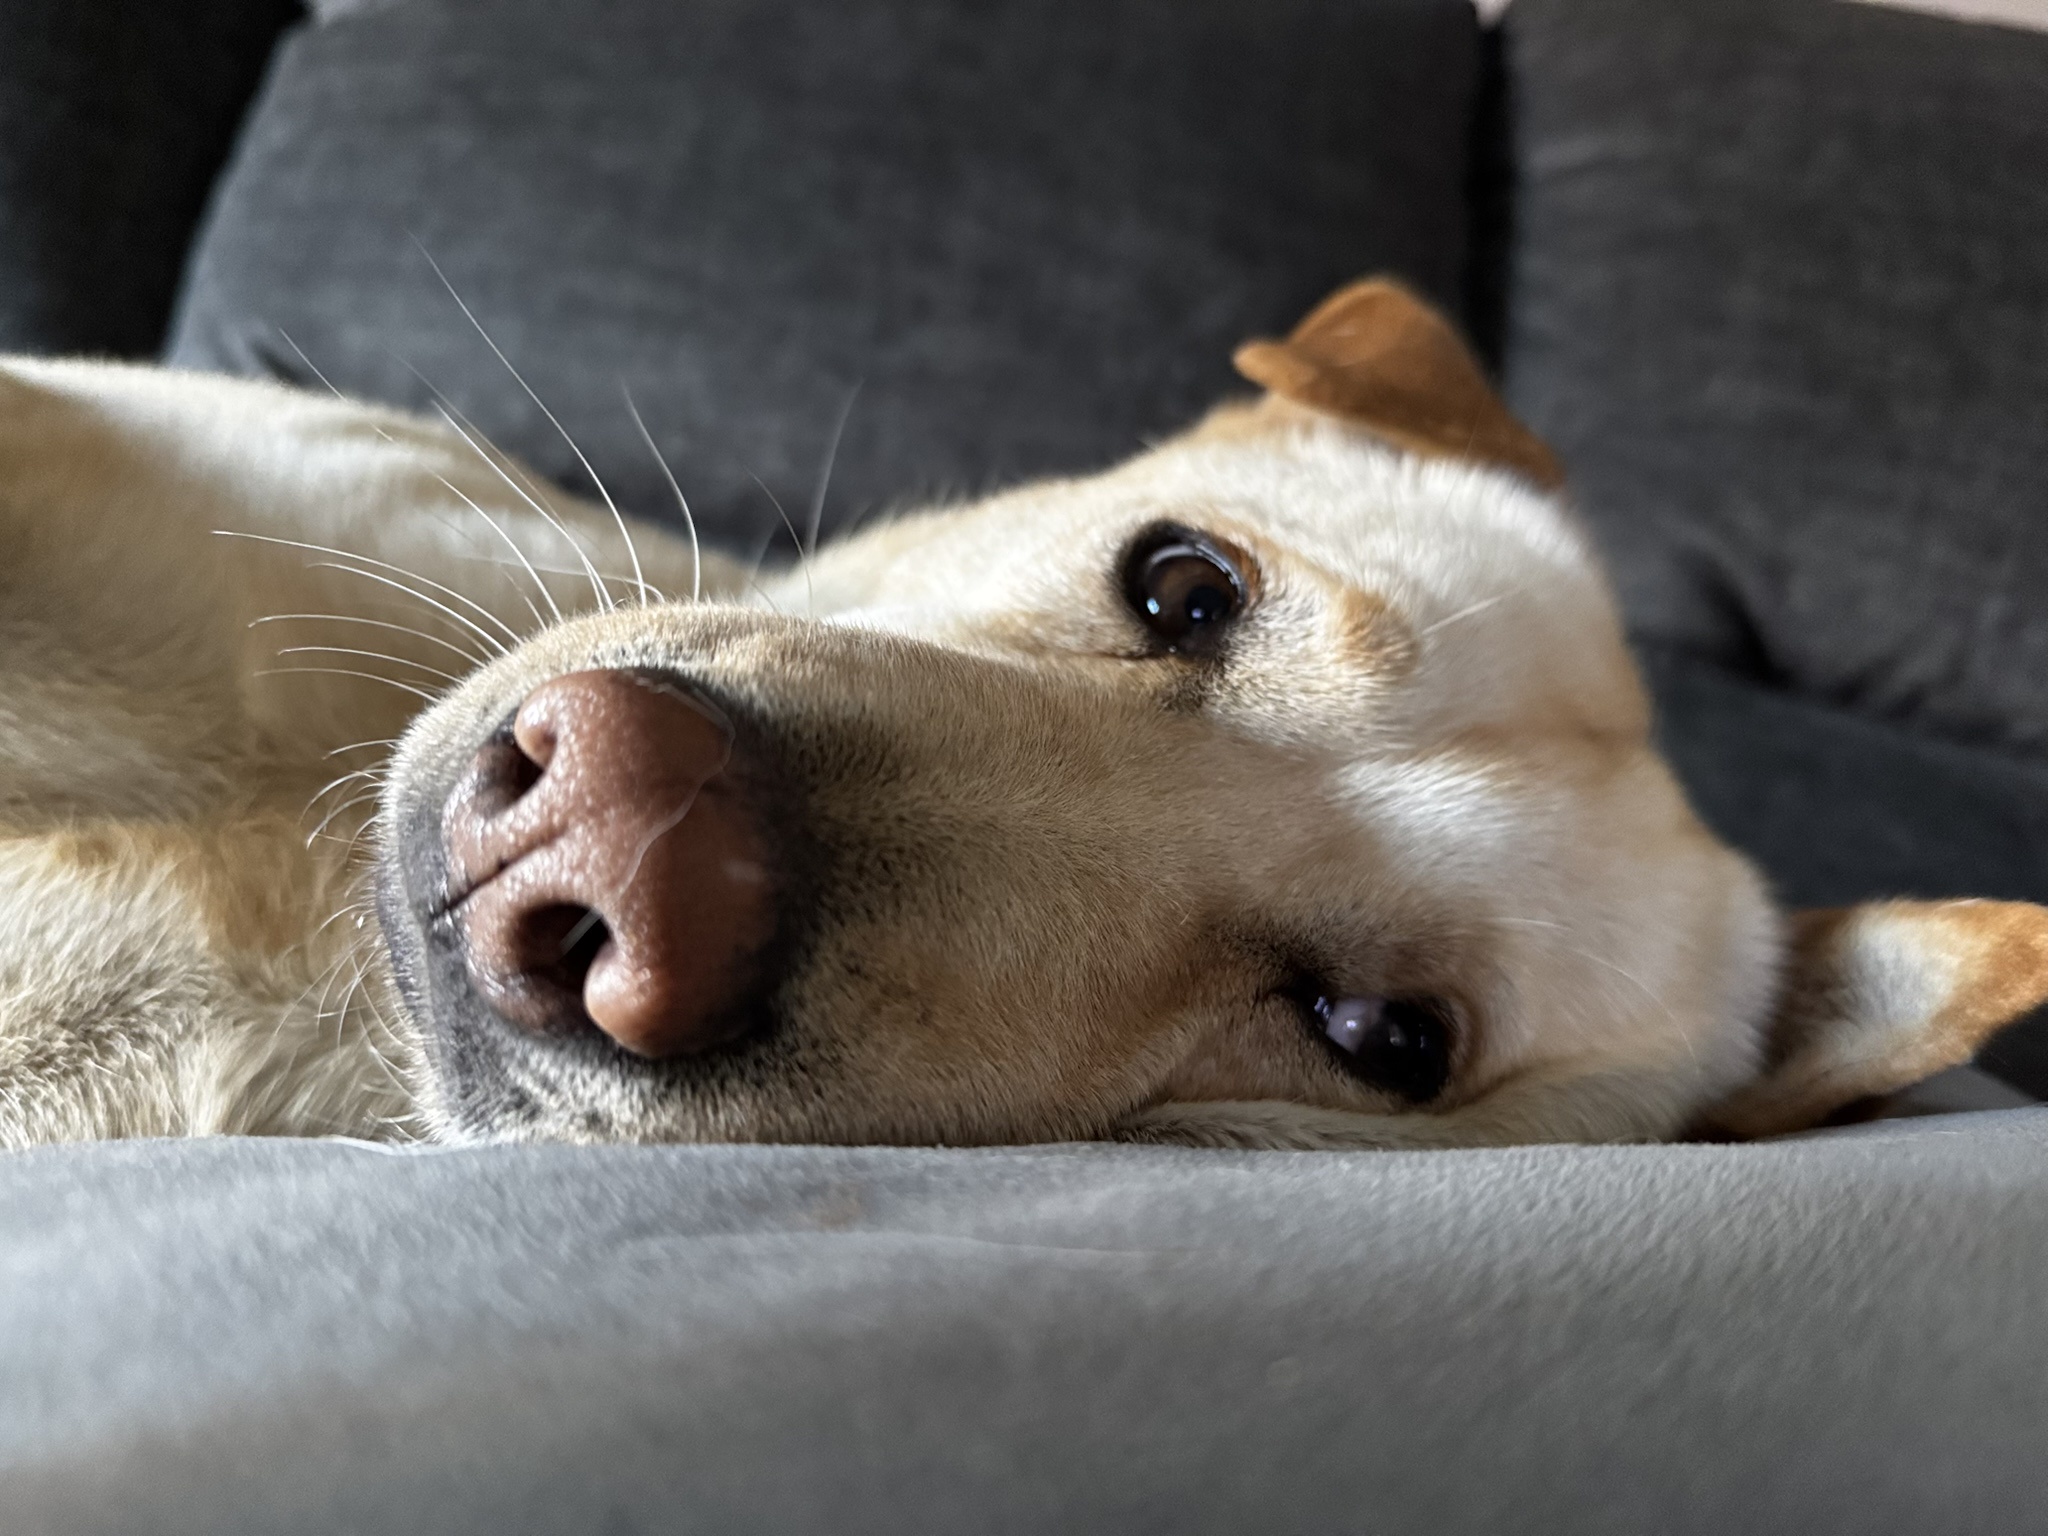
<point x="1376" y="355"/>
<point x="1877" y="997"/>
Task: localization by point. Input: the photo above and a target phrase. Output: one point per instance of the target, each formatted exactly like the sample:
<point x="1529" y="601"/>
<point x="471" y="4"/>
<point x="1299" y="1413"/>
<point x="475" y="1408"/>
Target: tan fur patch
<point x="1376" y="354"/>
<point x="1877" y="997"/>
<point x="1372" y="635"/>
<point x="2002" y="955"/>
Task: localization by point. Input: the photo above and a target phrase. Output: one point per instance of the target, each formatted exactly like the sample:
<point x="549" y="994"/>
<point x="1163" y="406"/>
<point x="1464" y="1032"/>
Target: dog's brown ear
<point x="1377" y="355"/>
<point x="1878" y="997"/>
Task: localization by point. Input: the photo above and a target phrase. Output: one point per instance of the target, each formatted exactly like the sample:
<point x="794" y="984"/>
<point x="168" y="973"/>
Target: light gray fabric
<point x="1780" y="300"/>
<point x="1028" y="232"/>
<point x="1847" y="1334"/>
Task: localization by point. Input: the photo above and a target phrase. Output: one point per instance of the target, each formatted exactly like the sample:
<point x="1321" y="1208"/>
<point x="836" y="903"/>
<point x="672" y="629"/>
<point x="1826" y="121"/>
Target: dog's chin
<point x="594" y="1092"/>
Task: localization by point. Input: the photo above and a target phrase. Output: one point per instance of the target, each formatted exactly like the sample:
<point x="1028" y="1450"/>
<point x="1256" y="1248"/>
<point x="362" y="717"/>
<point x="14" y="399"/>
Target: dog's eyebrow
<point x="1371" y="633"/>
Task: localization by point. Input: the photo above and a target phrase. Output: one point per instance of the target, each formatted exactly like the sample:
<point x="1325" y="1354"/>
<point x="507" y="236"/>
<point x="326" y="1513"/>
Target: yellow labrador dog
<point x="1287" y="786"/>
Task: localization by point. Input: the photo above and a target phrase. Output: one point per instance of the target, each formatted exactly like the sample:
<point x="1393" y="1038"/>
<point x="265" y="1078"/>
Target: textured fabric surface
<point x="1028" y="232"/>
<point x="1839" y="809"/>
<point x="1781" y="302"/>
<point x="114" y="117"/>
<point x="1842" y="1334"/>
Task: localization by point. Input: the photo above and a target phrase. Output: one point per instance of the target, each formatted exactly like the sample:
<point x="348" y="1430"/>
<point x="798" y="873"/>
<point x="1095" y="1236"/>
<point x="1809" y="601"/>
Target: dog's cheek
<point x="1011" y="1030"/>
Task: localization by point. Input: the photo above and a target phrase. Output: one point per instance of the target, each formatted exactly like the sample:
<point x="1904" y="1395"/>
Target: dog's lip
<point x="457" y="889"/>
<point x="455" y="894"/>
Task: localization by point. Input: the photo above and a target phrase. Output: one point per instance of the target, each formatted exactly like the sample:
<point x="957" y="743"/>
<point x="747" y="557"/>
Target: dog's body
<point x="174" y="961"/>
<point x="1039" y="861"/>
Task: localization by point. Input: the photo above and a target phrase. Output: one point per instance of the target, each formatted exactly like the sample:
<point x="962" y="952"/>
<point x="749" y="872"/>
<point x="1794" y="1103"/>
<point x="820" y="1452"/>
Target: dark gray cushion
<point x="114" y="117"/>
<point x="1838" y="1334"/>
<point x="1839" y="809"/>
<point x="1781" y="301"/>
<point x="1030" y="231"/>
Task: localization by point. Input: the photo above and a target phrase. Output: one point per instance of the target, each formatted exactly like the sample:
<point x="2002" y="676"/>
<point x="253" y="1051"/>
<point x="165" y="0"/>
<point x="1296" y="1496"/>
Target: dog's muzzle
<point x="606" y="869"/>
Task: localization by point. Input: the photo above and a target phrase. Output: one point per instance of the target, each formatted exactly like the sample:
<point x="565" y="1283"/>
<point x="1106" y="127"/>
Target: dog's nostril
<point x="610" y="868"/>
<point x="522" y="769"/>
<point x="564" y="942"/>
<point x="579" y="946"/>
<point x="500" y="775"/>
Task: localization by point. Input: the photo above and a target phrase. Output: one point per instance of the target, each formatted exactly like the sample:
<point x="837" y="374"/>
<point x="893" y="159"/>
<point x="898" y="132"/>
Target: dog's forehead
<point x="1430" y="596"/>
<point x="1315" y="495"/>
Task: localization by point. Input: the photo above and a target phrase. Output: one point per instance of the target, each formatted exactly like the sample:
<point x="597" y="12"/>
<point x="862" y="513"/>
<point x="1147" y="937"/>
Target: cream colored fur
<point x="179" y="954"/>
<point x="1429" y="753"/>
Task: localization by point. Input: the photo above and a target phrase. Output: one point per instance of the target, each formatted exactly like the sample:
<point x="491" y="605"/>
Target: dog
<point x="1290" y="785"/>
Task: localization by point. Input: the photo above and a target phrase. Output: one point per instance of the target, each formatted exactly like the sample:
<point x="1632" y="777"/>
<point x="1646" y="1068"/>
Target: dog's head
<point x="1290" y="785"/>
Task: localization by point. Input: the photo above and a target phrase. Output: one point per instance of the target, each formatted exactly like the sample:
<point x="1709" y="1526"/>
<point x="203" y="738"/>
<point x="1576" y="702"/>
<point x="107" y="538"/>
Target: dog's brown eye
<point x="1400" y="1045"/>
<point x="1184" y="589"/>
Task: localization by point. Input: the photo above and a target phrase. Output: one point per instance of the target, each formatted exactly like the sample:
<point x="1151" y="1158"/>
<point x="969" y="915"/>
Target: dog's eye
<point x="1184" y="588"/>
<point x="1401" y="1045"/>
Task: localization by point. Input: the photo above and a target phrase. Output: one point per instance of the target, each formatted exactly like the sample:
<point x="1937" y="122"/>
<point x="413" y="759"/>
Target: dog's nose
<point x="607" y="866"/>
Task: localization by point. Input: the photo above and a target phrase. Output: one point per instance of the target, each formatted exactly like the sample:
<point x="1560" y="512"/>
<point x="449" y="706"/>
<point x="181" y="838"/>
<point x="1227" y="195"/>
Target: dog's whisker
<point x="404" y="629"/>
<point x="355" y="838"/>
<point x="384" y="565"/>
<point x="387" y="742"/>
<point x="831" y="457"/>
<point x="375" y="775"/>
<point x="348" y="845"/>
<point x="504" y="568"/>
<point x="392" y="1069"/>
<point x="408" y="605"/>
<point x="311" y="367"/>
<point x="757" y="559"/>
<point x="1471" y="610"/>
<point x="343" y="650"/>
<point x="483" y="634"/>
<point x="314" y="369"/>
<point x="512" y="544"/>
<point x="360" y="910"/>
<point x="562" y="570"/>
<point x="348" y="997"/>
<point x="1628" y="976"/>
<point x="488" y="450"/>
<point x="626" y="533"/>
<point x="372" y="677"/>
<point x="543" y="508"/>
<point x="1684" y="1035"/>
<point x="682" y="501"/>
<point x="520" y="379"/>
<point x="803" y="558"/>
<point x="323" y="985"/>
<point x="351" y="961"/>
<point x="864" y="518"/>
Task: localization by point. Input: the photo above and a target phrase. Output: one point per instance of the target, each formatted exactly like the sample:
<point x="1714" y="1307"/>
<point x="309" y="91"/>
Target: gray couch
<point x="1772" y="275"/>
